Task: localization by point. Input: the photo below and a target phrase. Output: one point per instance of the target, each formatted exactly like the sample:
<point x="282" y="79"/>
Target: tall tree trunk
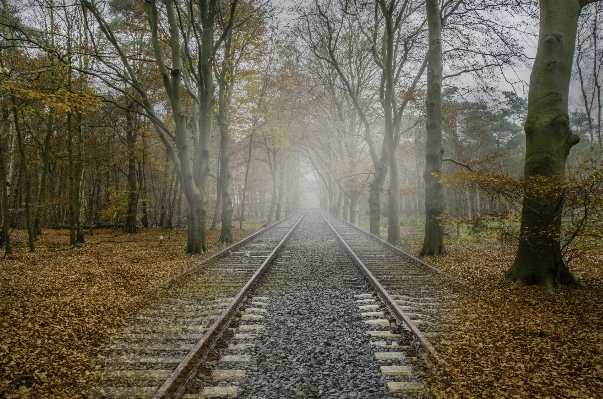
<point x="468" y="200"/>
<point x="4" y="192"/>
<point x="131" y="219"/>
<point x="142" y="185"/>
<point x="289" y="197"/>
<point x="172" y="205"/>
<point x="198" y="211"/>
<point x="218" y="203"/>
<point x="433" y="243"/>
<point x="164" y="193"/>
<point x="43" y="173"/>
<point x="81" y="210"/>
<point x="339" y="207"/>
<point x="167" y="222"/>
<point x="242" y="219"/>
<point x="72" y="184"/>
<point x="389" y="109"/>
<point x="214" y="219"/>
<point x="12" y="170"/>
<point x="226" y="230"/>
<point x="92" y="199"/>
<point x="354" y="196"/>
<point x="281" y="191"/>
<point x="226" y="82"/>
<point x="26" y="177"/>
<point x="332" y="195"/>
<point x="346" y="208"/>
<point x="273" y="197"/>
<point x="179" y="218"/>
<point x="393" y="197"/>
<point x="548" y="141"/>
<point x="478" y="204"/>
<point x="376" y="187"/>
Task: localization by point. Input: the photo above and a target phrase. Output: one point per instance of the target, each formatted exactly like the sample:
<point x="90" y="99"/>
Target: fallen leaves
<point x="59" y="304"/>
<point x="519" y="342"/>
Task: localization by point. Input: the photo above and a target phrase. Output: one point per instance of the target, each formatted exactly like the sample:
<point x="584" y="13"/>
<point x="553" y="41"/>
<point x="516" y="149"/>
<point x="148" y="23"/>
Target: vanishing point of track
<point x="347" y="320"/>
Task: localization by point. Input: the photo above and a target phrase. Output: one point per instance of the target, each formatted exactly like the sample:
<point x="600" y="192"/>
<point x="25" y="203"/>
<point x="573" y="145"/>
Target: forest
<point x="178" y="115"/>
<point x="429" y="123"/>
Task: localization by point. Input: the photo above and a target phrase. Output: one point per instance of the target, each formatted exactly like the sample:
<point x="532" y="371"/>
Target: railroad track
<point x="160" y="339"/>
<point x="306" y="318"/>
<point x="418" y="297"/>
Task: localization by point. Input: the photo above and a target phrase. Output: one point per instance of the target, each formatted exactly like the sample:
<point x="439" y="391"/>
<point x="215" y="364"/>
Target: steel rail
<point x="175" y="386"/>
<point x="218" y="255"/>
<point x="395" y="310"/>
<point x="461" y="284"/>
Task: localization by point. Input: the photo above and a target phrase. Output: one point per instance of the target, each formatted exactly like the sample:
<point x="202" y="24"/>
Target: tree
<point x="392" y="60"/>
<point x="433" y="244"/>
<point x="390" y="32"/>
<point x="466" y="18"/>
<point x="131" y="135"/>
<point x="192" y="56"/>
<point x="548" y="142"/>
<point x="589" y="70"/>
<point x="236" y="43"/>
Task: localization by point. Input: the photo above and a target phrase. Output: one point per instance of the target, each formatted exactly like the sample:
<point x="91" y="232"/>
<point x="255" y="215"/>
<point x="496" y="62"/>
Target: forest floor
<point x="516" y="343"/>
<point x="59" y="304"/>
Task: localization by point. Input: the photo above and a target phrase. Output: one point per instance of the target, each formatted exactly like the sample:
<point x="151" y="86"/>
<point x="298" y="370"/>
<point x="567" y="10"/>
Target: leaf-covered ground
<point x="519" y="343"/>
<point x="59" y="304"/>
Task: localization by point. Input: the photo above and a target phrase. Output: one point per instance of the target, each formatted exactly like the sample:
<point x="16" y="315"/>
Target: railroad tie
<point x="401" y="378"/>
<point x="234" y="355"/>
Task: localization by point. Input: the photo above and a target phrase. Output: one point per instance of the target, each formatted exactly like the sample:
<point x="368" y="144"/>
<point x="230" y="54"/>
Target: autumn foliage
<point x="580" y="195"/>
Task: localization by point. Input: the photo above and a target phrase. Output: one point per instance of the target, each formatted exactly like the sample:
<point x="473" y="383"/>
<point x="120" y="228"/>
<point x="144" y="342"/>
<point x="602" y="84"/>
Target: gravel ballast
<point x="314" y="341"/>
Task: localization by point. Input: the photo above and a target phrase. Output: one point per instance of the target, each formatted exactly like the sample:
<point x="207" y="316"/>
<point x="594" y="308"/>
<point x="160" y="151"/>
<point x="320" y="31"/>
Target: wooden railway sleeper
<point x="176" y="385"/>
<point x="401" y="317"/>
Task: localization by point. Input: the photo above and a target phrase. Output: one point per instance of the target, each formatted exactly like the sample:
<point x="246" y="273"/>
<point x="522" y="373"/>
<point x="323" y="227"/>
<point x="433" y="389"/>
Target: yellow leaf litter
<point x="519" y="343"/>
<point x="59" y="304"/>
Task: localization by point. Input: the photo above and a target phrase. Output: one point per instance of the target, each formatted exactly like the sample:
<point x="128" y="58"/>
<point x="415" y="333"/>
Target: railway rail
<point x="310" y="307"/>
<point x="140" y="360"/>
<point x="418" y="296"/>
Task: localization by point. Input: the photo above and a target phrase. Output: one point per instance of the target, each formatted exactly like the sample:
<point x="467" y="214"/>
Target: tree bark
<point x="142" y="185"/>
<point x="388" y="80"/>
<point x="273" y="169"/>
<point x="79" y="181"/>
<point x="172" y="205"/>
<point x="339" y="207"/>
<point x="37" y="225"/>
<point x="26" y="177"/>
<point x="433" y="243"/>
<point x="354" y="200"/>
<point x="10" y="177"/>
<point x="346" y="208"/>
<point x="5" y="215"/>
<point x="226" y="82"/>
<point x="393" y="197"/>
<point x="242" y="219"/>
<point x="218" y="204"/>
<point x="71" y="185"/>
<point x="549" y="139"/>
<point x="130" y="225"/>
<point x="281" y="191"/>
<point x="226" y="216"/>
